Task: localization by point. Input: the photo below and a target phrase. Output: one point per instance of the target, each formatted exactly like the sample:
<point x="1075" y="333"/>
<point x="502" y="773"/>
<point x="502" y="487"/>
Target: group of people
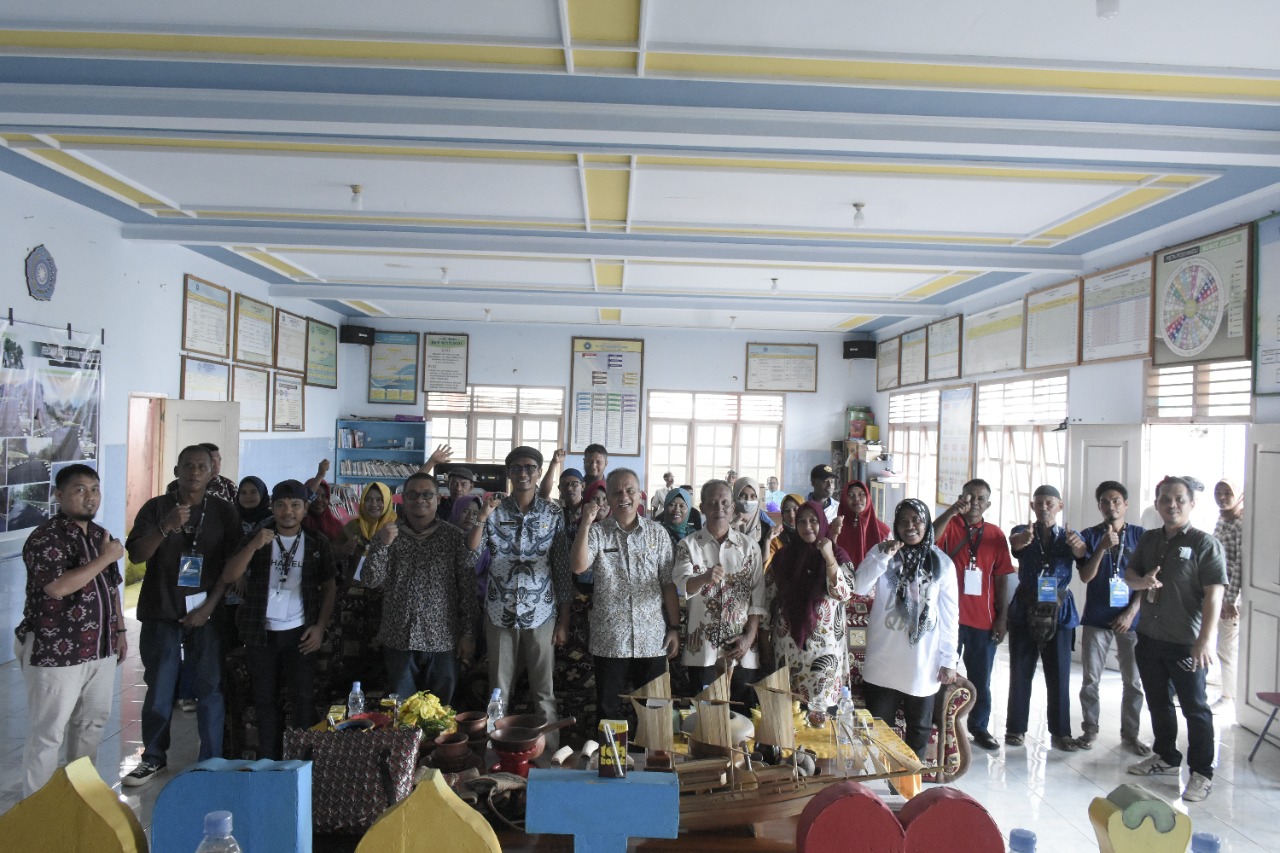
<point x="707" y="586"/>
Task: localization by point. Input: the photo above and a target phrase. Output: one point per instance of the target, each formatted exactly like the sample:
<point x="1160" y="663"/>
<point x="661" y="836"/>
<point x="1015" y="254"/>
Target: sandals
<point x="1015" y="740"/>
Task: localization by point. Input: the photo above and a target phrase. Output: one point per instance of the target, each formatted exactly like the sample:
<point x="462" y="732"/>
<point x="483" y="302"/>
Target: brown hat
<point x="462" y="474"/>
<point x="530" y="452"/>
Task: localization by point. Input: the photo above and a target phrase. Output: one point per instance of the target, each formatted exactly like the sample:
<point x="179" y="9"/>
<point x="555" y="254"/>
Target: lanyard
<point x="195" y="537"/>
<point x="1116" y="553"/>
<point x="286" y="560"/>
<point x="974" y="542"/>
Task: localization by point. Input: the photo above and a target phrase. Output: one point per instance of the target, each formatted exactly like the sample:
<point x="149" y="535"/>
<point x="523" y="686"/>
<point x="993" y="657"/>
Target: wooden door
<point x="1260" y="586"/>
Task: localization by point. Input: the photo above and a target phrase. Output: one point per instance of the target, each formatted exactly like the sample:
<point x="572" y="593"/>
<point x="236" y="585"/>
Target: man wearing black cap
<point x="288" y="602"/>
<point x="461" y="482"/>
<point x="823" y="478"/>
<point x="1042" y="619"/>
<point x="527" y="604"/>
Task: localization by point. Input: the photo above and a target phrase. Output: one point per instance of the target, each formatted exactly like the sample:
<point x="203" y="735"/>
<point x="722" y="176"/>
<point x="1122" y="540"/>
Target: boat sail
<point x="654" y="729"/>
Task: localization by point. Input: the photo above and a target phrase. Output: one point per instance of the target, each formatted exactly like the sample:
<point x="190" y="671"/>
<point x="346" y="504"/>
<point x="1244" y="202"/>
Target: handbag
<point x="356" y="775"/>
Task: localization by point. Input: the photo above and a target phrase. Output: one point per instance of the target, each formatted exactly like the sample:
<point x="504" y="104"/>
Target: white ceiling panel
<point x="452" y="186"/>
<point x="720" y="319"/>
<point x="406" y="267"/>
<point x="795" y="281"/>
<point x="825" y="200"/>
<point x="584" y="316"/>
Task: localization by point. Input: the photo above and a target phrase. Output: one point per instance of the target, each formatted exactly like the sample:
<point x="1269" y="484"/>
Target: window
<point x="913" y="442"/>
<point x="700" y="436"/>
<point x="1215" y="391"/>
<point x="488" y="420"/>
<point x="1019" y="444"/>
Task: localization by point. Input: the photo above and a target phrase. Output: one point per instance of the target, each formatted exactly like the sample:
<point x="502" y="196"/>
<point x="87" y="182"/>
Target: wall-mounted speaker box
<point x="358" y="335"/>
<point x="859" y="349"/>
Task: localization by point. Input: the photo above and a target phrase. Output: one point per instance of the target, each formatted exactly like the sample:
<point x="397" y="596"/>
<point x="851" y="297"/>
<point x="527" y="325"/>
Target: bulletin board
<point x="606" y="380"/>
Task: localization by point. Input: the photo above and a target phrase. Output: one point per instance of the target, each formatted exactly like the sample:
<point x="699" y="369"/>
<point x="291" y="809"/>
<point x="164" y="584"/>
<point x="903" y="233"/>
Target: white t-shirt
<point x="284" y="589"/>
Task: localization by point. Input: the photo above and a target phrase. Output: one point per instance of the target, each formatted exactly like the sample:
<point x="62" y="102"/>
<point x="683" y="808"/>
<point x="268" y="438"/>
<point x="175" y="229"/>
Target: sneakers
<point x="1154" y="766"/>
<point x="1198" y="787"/>
<point x="1135" y="746"/>
<point x="142" y="774"/>
<point x="1066" y="743"/>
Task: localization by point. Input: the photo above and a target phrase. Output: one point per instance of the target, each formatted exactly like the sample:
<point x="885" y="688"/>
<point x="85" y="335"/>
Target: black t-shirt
<point x="219" y="531"/>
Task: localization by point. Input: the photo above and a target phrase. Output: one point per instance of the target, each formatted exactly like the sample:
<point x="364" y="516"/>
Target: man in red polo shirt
<point x="980" y="552"/>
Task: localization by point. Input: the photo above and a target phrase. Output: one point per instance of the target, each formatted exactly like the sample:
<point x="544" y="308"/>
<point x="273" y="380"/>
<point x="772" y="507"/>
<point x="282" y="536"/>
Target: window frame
<point x="516" y="417"/>
<point x="654" y="480"/>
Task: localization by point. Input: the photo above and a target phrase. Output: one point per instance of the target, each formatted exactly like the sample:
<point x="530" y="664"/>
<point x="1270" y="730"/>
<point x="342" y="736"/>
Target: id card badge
<point x="973" y="581"/>
<point x="189" y="570"/>
<point x="1119" y="593"/>
<point x="359" y="570"/>
<point x="1048" y="590"/>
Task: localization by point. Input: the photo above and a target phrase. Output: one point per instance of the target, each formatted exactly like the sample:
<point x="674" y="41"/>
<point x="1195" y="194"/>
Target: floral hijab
<point x="911" y="572"/>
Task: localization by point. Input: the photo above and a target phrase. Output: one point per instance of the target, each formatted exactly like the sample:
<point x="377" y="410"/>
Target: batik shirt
<point x="527" y="582"/>
<point x="78" y="627"/>
<point x="631" y="568"/>
<point x="718" y="612"/>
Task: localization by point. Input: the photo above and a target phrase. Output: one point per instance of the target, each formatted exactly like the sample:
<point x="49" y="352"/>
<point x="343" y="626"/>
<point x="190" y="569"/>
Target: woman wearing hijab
<point x="914" y="626"/>
<point x="319" y="518"/>
<point x="464" y="516"/>
<point x="376" y="512"/>
<point x="359" y="608"/>
<point x="751" y="520"/>
<point x="807" y="588"/>
<point x="790" y="505"/>
<point x="1230" y="532"/>
<point x="675" y="514"/>
<point x="862" y="530"/>
<point x="253" y="502"/>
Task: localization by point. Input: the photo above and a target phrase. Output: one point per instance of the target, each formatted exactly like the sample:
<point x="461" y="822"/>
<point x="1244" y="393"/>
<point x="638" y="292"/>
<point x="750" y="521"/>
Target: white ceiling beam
<point x="601" y="245"/>
<point x="514" y="296"/>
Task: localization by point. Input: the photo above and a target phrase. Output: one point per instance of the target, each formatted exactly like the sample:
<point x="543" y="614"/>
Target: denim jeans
<point x="1162" y="677"/>
<point x="161" y="648"/>
<point x="978" y="651"/>
<point x="409" y="671"/>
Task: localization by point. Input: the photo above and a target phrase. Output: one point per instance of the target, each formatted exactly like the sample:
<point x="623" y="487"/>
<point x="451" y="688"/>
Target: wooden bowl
<point x="453" y="746"/>
<point x="471" y="723"/>
<point x="522" y="721"/>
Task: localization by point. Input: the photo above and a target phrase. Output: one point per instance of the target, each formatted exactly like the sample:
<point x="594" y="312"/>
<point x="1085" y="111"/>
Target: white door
<point x="1260" y="587"/>
<point x="187" y="422"/>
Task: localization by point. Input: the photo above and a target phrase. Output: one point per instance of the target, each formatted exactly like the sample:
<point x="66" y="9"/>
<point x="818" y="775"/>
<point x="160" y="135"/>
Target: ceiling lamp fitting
<point x="859" y="218"/>
<point x="357" y="197"/>
<point x="488" y="312"/>
<point x="774" y="288"/>
<point x="444" y="276"/>
<point x="1108" y="9"/>
<point x="733" y="321"/>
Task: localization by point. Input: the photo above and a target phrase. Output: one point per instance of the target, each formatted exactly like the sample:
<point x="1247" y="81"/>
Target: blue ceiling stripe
<point x="71" y="189"/>
<point x="238" y="262"/>
<point x="339" y="307"/>
<point x="650" y="91"/>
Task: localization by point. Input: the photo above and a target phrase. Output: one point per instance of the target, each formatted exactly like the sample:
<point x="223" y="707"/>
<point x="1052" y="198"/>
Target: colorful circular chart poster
<point x="1202" y="299"/>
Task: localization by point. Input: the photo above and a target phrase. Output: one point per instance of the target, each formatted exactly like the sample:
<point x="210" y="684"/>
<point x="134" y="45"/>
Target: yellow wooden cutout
<point x="75" y="811"/>
<point x="1131" y="819"/>
<point x="431" y="819"/>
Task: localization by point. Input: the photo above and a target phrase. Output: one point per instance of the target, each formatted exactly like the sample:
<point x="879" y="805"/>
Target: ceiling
<point x="648" y="162"/>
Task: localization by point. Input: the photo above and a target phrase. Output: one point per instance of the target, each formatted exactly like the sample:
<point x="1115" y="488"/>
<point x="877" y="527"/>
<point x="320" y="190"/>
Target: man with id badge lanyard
<point x="1042" y="620"/>
<point x="288" y="601"/>
<point x="1110" y="613"/>
<point x="980" y="552"/>
<point x="1181" y="573"/>
<point x="185" y="539"/>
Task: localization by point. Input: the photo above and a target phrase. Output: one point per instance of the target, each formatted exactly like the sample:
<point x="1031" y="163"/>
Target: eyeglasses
<point x="522" y="469"/>
<point x="420" y="496"/>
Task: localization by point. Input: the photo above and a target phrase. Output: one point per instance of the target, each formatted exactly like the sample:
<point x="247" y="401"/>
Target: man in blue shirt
<point x="1110" y="612"/>
<point x="1042" y="619"/>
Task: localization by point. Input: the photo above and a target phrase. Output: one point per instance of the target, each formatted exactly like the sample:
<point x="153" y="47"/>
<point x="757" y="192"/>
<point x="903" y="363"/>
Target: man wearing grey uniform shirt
<point x="1181" y="573"/>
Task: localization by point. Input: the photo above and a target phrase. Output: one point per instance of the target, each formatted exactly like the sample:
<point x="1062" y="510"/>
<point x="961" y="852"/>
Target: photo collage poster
<point x="50" y="402"/>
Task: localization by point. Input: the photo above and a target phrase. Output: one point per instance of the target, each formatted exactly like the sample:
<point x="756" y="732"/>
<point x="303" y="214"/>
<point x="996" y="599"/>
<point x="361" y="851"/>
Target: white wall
<point x="674" y="360"/>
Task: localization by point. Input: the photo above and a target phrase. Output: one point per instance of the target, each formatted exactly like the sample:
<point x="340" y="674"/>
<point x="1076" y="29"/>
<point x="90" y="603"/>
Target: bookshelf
<point x="385" y="450"/>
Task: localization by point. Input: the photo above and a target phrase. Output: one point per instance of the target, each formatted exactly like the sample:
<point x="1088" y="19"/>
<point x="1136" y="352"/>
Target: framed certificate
<point x="206" y="317"/>
<point x="289" y="412"/>
<point x="444" y="363"/>
<point x="1052" y="323"/>
<point x="944" y="348"/>
<point x="204" y="380"/>
<point x="782" y="367"/>
<point x="251" y="388"/>
<point x="255" y="332"/>
<point x="322" y="354"/>
<point x="291" y="342"/>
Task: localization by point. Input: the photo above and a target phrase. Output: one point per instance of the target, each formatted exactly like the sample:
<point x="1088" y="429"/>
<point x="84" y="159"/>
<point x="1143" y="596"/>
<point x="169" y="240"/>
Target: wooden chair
<point x="1272" y="699"/>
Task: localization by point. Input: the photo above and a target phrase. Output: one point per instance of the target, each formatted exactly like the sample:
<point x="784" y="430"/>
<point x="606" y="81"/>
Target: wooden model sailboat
<point x="654" y="728"/>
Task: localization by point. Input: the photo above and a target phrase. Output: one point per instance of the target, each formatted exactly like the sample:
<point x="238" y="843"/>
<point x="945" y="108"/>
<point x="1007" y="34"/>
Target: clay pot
<point x="454" y="745"/>
<point x="524" y="721"/>
<point x="471" y="723"/>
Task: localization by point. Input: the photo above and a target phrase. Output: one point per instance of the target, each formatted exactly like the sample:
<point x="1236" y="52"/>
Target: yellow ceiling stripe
<point x="611" y="159"/>
<point x="366" y="307"/>
<point x="1028" y="174"/>
<point x="621" y="59"/>
<point x="855" y="321"/>
<point x="285" y="48"/>
<point x="610" y="315"/>
<point x="607" y="191"/>
<point x="96" y="176"/>
<point x="616" y="21"/>
<point x="17" y="137"/>
<point x="1127" y="203"/>
<point x="608" y="275"/>
<point x="939" y="284"/>
<point x="276" y="264"/>
<point x="965" y="76"/>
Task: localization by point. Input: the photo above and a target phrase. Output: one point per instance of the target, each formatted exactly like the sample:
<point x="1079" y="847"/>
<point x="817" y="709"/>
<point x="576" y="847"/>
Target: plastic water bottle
<point x="355" y="700"/>
<point x="844" y="717"/>
<point x="1022" y="841"/>
<point x="217" y="834"/>
<point x="495" y="710"/>
<point x="1205" y="842"/>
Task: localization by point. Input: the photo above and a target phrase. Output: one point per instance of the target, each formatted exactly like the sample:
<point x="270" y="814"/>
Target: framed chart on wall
<point x="291" y="342"/>
<point x="887" y="364"/>
<point x="913" y="357"/>
<point x="955" y="441"/>
<point x="393" y="368"/>
<point x="289" y="404"/>
<point x="444" y="362"/>
<point x="1202" y="299"/>
<point x="1052" y="323"/>
<point x="993" y="340"/>
<point x="251" y="388"/>
<point x="322" y="354"/>
<point x="206" y="317"/>
<point x="255" y="332"/>
<point x="944" y="348"/>
<point x="1266" y="335"/>
<point x="606" y="379"/>
<point x="204" y="380"/>
<point x="782" y="367"/>
<point x="1115" y="313"/>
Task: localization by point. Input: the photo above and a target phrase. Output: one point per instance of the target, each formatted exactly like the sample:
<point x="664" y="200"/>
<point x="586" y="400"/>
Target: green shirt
<point x="1189" y="561"/>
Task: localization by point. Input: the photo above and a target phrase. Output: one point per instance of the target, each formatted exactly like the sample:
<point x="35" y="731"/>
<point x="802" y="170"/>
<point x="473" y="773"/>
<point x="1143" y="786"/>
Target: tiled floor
<point x="1033" y="786"/>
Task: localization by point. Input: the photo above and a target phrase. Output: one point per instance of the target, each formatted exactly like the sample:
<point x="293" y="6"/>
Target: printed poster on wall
<point x="291" y="342"/>
<point x="913" y="363"/>
<point x="1116" y="312"/>
<point x="944" y="348"/>
<point x="251" y="388"/>
<point x="1202" y="300"/>
<point x="289" y="409"/>
<point x="1266" y="358"/>
<point x="202" y="379"/>
<point x="606" y="379"/>
<point x="50" y="400"/>
<point x="255" y="331"/>
<point x="206" y="317"/>
<point x="393" y="368"/>
<point x="322" y="354"/>
<point x="993" y="340"/>
<point x="782" y="367"/>
<point x="955" y="441"/>
<point x="887" y="364"/>
<point x="1052" y="325"/>
<point x="444" y="363"/>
